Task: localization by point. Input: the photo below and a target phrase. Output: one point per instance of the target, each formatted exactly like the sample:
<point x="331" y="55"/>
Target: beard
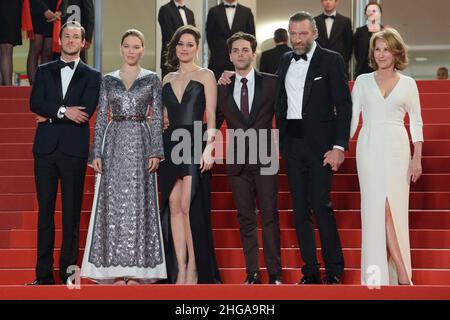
<point x="306" y="49"/>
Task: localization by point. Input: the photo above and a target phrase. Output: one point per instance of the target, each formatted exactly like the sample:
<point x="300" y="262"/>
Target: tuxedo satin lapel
<point x="176" y="14"/>
<point x="56" y="75"/>
<point x="237" y="17"/>
<point x="334" y="29"/>
<point x="323" y="26"/>
<point x="257" y="97"/>
<point x="312" y="72"/>
<point x="286" y="63"/>
<point x="232" y="104"/>
<point x="223" y="17"/>
<point x="79" y="71"/>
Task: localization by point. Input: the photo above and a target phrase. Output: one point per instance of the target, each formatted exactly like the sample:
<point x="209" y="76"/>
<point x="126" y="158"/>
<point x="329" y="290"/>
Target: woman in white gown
<point x="383" y="157"/>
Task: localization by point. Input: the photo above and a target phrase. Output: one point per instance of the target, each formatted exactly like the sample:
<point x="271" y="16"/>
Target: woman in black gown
<point x="187" y="94"/>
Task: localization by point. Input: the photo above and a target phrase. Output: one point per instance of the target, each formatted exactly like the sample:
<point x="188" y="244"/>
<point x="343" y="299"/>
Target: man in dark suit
<point x="83" y="12"/>
<point x="223" y="21"/>
<point x="313" y="116"/>
<point x="270" y="59"/>
<point x="248" y="105"/>
<point x="171" y="16"/>
<point x="64" y="96"/>
<point x="335" y="31"/>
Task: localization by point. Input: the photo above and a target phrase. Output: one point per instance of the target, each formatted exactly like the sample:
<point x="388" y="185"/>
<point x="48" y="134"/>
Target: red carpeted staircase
<point x="429" y="215"/>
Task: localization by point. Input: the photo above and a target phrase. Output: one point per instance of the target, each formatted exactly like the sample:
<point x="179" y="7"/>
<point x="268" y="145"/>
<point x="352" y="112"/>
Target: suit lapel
<point x="223" y="17"/>
<point x="237" y="17"/>
<point x="312" y="72"/>
<point x="256" y="105"/>
<point x="334" y="29"/>
<point x="79" y="71"/>
<point x="233" y="105"/>
<point x="176" y="14"/>
<point x="56" y="75"/>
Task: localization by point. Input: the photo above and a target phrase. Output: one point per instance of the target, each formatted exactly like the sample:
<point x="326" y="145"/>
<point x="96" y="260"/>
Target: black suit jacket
<point x="38" y="7"/>
<point x="170" y="20"/>
<point x="327" y="105"/>
<point x="218" y="31"/>
<point x="341" y="36"/>
<point x="361" y="42"/>
<point x="270" y="59"/>
<point x="261" y="116"/>
<point x="87" y="19"/>
<point x="46" y="99"/>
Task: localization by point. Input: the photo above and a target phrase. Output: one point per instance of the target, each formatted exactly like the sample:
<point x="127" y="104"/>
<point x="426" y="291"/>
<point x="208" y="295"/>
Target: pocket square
<point x="318" y="78"/>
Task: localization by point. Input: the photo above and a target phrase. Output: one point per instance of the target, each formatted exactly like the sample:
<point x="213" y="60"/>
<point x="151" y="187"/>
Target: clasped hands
<point x="75" y="113"/>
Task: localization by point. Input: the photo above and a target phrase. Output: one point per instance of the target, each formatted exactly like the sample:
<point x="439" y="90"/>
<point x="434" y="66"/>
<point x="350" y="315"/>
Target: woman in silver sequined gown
<point x="124" y="243"/>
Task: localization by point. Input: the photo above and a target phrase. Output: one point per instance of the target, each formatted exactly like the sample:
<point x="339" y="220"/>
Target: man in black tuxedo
<point x="247" y="103"/>
<point x="86" y="19"/>
<point x="223" y="21"/>
<point x="314" y="111"/>
<point x="64" y="96"/>
<point x="335" y="31"/>
<point x="171" y="16"/>
<point x="270" y="59"/>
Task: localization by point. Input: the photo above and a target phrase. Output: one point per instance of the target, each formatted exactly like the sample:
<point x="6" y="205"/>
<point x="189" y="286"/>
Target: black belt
<point x="129" y="118"/>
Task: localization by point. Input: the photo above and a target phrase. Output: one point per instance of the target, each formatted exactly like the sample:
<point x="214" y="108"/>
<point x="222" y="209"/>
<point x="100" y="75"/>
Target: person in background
<point x="384" y="162"/>
<point x="10" y="36"/>
<point x="442" y="73"/>
<point x="223" y="21"/>
<point x="171" y="16"/>
<point x="361" y="39"/>
<point x="270" y="59"/>
<point x="45" y="15"/>
<point x="335" y="31"/>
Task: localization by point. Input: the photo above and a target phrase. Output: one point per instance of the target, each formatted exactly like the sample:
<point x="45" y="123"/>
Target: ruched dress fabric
<point x="125" y="237"/>
<point x="382" y="156"/>
<point x="186" y="129"/>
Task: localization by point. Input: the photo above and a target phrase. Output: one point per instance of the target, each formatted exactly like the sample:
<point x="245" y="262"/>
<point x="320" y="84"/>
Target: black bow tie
<point x="62" y="64"/>
<point x="181" y="7"/>
<point x="299" y="56"/>
<point x="331" y="17"/>
<point x="230" y="6"/>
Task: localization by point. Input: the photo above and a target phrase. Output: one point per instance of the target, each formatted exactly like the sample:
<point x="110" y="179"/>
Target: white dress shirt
<point x="251" y="89"/>
<point x="295" y="84"/>
<point x="231" y="12"/>
<point x="66" y="77"/>
<point x="329" y="22"/>
<point x="182" y="13"/>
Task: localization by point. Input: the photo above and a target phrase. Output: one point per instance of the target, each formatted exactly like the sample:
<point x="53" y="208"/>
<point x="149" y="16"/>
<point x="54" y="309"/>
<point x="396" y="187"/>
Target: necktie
<point x="331" y="17"/>
<point x="62" y="64"/>
<point x="299" y="56"/>
<point x="230" y="6"/>
<point x="181" y="7"/>
<point x="244" y="99"/>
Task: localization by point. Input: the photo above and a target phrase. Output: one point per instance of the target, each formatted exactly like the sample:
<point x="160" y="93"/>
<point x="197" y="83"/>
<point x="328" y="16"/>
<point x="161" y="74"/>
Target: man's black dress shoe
<point x="41" y="282"/>
<point x="275" y="279"/>
<point x="310" y="280"/>
<point x="253" y="278"/>
<point x="333" y="280"/>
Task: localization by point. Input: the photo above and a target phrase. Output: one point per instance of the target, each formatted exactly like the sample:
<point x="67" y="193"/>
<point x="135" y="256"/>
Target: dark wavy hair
<point x="172" y="62"/>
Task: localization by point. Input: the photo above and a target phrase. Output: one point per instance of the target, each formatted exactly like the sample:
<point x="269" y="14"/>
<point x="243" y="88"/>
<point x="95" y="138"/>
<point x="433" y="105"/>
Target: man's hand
<point x="76" y="115"/>
<point x="334" y="158"/>
<point x="225" y="77"/>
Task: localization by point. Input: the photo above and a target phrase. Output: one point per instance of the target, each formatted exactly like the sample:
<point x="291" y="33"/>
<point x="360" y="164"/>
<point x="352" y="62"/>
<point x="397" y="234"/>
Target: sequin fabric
<point x="127" y="230"/>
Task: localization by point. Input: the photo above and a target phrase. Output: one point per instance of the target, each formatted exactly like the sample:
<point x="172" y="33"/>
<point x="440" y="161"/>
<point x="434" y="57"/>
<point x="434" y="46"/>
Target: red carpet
<point x="429" y="221"/>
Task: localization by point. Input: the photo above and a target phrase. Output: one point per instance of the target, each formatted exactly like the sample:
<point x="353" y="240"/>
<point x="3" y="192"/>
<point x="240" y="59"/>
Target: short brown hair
<point x="134" y="33"/>
<point x="242" y="36"/>
<point x="396" y="45"/>
<point x="73" y="24"/>
<point x="172" y="62"/>
<point x="373" y="3"/>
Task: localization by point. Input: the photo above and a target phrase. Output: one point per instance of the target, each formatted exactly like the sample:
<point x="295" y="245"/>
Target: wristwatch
<point x="62" y="110"/>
